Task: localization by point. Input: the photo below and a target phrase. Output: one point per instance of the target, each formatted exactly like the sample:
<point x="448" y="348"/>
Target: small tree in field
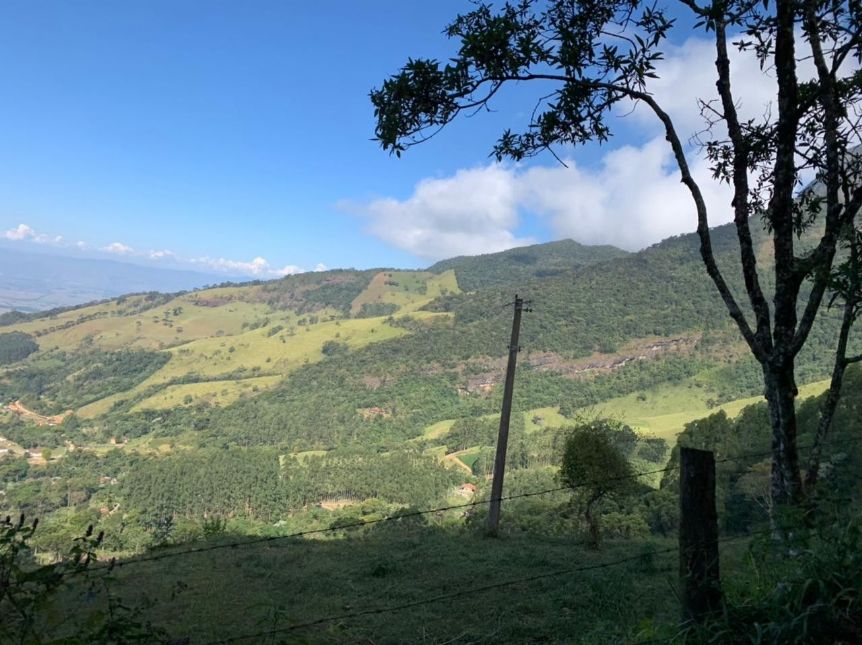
<point x="586" y="58"/>
<point x="594" y="465"/>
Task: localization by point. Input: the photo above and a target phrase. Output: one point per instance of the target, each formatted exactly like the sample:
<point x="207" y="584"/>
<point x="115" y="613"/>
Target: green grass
<point x="309" y="453"/>
<point x="663" y="411"/>
<point x="436" y="430"/>
<point x="206" y="335"/>
<point x="544" y="418"/>
<point x="151" y="329"/>
<point x="222" y="594"/>
<point x="214" y="392"/>
<point x="469" y="456"/>
<point x="281" y="353"/>
<point x="409" y="290"/>
<point x="251" y="351"/>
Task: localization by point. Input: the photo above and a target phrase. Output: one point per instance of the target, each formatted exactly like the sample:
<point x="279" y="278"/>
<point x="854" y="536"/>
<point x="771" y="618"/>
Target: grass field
<point x="213" y="392"/>
<point x="254" y="590"/>
<point x="660" y="412"/>
<point x="225" y="336"/>
<point x="409" y="290"/>
<point x="250" y="352"/>
<point x="176" y="322"/>
<point x="469" y="456"/>
<point x="664" y="410"/>
<point x="436" y="430"/>
<point x="543" y="418"/>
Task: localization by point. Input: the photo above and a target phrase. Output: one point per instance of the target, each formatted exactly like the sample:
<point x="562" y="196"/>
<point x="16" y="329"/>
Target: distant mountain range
<point x="32" y="282"/>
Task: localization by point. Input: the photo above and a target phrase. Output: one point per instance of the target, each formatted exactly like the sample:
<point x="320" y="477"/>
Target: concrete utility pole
<point x="505" y="415"/>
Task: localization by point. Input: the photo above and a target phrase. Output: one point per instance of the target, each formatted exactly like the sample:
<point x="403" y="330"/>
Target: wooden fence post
<point x="698" y="535"/>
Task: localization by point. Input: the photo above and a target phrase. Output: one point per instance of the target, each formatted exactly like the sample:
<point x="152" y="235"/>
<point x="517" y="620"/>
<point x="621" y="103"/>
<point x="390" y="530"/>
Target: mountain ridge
<point x="31" y="281"/>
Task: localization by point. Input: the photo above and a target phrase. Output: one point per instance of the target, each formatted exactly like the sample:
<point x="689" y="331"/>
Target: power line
<point x="401" y="516"/>
<point x="464" y="592"/>
<point x="351" y="525"/>
<point x="443" y="597"/>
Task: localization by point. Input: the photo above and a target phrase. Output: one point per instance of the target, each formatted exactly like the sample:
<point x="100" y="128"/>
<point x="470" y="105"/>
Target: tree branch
<point x="822" y="280"/>
<point x="740" y="190"/>
<point x="827" y="411"/>
<point x="682" y="163"/>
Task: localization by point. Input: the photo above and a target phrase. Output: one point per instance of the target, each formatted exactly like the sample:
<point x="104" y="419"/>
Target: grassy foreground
<point x="228" y="593"/>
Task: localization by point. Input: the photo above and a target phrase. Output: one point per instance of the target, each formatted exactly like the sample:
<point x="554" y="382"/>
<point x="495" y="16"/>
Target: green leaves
<point x="26" y="587"/>
<point x="595" y="52"/>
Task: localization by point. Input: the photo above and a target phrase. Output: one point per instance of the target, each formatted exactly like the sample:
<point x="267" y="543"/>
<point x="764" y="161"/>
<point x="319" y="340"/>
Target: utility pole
<point x="505" y="415"/>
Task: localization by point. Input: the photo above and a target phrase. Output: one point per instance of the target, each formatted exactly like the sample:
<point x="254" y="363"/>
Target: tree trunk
<point x="781" y="395"/>
<point x="593" y="523"/>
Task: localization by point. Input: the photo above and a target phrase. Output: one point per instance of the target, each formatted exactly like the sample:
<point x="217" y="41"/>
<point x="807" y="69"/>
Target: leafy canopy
<point x="593" y="460"/>
<point x="582" y="45"/>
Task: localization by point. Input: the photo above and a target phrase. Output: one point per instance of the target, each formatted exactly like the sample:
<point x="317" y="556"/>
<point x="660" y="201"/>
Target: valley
<point x="342" y="397"/>
<point x="549" y="334"/>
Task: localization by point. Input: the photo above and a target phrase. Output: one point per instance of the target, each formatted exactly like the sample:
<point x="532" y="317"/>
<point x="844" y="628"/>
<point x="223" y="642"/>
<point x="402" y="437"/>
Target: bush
<point x="815" y="596"/>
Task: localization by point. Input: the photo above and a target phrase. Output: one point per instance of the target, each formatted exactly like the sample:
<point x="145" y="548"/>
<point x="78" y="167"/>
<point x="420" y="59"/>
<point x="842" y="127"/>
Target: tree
<point x="28" y="590"/>
<point x="593" y="464"/>
<point x="601" y="54"/>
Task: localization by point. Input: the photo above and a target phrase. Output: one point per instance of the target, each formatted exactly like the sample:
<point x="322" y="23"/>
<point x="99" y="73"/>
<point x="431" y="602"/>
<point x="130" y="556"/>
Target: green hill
<point x="261" y="401"/>
<point x="342" y="397"/>
<point x="524" y="263"/>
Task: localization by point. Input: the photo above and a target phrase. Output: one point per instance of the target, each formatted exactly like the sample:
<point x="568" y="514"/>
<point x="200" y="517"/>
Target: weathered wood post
<point x="505" y="415"/>
<point x="698" y="535"/>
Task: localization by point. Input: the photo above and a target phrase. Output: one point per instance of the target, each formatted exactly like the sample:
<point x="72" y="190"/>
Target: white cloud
<point x="633" y="199"/>
<point x="161" y="255"/>
<point x="290" y="269"/>
<point x="320" y="266"/>
<point x="255" y="267"/>
<point x="20" y="232"/>
<point x="688" y="73"/>
<point x="118" y="248"/>
<point x="474" y="211"/>
<point x="258" y="267"/>
<point x="25" y="233"/>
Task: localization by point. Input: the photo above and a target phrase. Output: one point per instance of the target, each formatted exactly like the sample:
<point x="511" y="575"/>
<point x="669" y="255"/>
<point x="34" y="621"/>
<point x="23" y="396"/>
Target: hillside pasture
<point x="407" y="290"/>
<point x="210" y="392"/>
<point x="245" y="356"/>
<point x="664" y="410"/>
<point x="109" y="326"/>
<point x="279" y="353"/>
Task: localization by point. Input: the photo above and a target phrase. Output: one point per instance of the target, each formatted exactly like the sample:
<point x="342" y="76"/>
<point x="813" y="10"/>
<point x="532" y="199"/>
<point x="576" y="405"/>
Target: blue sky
<point x="236" y="136"/>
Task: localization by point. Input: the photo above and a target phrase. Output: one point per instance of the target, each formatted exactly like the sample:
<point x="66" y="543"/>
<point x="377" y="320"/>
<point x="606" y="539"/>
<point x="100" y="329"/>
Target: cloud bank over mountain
<point x="630" y="197"/>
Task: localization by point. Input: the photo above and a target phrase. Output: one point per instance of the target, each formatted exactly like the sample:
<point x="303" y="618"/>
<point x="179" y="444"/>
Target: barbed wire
<point x="471" y="590"/>
<point x="406" y="515"/>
